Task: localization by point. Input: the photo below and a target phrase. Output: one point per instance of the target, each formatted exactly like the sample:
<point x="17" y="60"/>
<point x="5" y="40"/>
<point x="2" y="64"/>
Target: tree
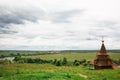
<point x="31" y="60"/>
<point x="58" y="63"/>
<point x="7" y="62"/>
<point x="11" y="54"/>
<point x="17" y="58"/>
<point x="55" y="60"/>
<point x="20" y="61"/>
<point x="83" y="60"/>
<point x="76" y="63"/>
<point x="64" y="62"/>
<point x="18" y="54"/>
<point x="2" y="56"/>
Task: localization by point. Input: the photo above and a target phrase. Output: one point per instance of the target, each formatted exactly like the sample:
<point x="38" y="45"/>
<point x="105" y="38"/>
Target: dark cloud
<point x="19" y="15"/>
<point x="63" y="17"/>
<point x="7" y="31"/>
<point x="89" y="39"/>
<point x="15" y="16"/>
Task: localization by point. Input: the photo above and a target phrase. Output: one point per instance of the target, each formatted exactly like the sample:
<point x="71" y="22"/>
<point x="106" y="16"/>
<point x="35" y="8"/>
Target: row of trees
<point x="63" y="62"/>
<point x="18" y="59"/>
<point x="56" y="62"/>
<point x="14" y="54"/>
<point x="11" y="55"/>
<point x="83" y="62"/>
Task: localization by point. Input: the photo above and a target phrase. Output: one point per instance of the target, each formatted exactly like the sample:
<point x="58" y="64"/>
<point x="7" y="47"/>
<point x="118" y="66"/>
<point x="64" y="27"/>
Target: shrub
<point x="83" y="61"/>
<point x="58" y="63"/>
<point x="21" y="61"/>
<point x="18" y="54"/>
<point x="2" y="56"/>
<point x="55" y="60"/>
<point x="17" y="58"/>
<point x="85" y="64"/>
<point x="5" y="62"/>
<point x="64" y="62"/>
<point x="76" y="63"/>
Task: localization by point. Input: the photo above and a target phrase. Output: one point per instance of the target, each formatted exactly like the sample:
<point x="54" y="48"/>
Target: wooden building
<point x="103" y="61"/>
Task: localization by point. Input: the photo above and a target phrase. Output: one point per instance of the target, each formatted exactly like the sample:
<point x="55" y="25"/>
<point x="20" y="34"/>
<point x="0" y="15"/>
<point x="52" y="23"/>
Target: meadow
<point x="33" y="71"/>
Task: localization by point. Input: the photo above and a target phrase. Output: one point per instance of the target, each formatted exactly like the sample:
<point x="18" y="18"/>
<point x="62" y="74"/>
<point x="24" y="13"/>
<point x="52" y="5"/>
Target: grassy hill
<point x="34" y="71"/>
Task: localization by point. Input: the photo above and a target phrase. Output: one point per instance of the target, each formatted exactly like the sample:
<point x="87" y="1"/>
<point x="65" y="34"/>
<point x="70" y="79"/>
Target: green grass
<point x="37" y="72"/>
<point x="73" y="56"/>
<point x="51" y="72"/>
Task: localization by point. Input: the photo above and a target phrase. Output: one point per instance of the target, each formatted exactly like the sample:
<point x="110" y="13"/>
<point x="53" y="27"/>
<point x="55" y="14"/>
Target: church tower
<point x="103" y="61"/>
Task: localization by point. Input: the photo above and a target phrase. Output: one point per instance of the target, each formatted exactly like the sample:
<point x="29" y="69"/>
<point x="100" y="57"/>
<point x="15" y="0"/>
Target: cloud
<point x="107" y="23"/>
<point x="109" y="29"/>
<point x="89" y="38"/>
<point x="60" y="24"/>
<point x="64" y="16"/>
<point x="5" y="31"/>
<point x="17" y="15"/>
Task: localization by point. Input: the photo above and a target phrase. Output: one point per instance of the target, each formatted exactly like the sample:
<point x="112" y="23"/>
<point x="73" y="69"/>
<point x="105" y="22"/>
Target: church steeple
<point x="103" y="60"/>
<point x="103" y="49"/>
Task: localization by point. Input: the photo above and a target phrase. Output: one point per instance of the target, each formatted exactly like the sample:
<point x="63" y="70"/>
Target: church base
<point x="103" y="67"/>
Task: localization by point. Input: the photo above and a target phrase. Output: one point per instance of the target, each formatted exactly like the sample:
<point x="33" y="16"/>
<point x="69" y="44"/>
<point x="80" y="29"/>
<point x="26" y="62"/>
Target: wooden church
<point x="103" y="61"/>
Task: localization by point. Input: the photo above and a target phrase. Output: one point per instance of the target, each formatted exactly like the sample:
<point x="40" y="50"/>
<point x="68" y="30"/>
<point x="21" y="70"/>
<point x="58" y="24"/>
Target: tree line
<point x="57" y="62"/>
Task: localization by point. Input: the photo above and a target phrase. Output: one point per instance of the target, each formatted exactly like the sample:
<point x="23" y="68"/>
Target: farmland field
<point x="34" y="71"/>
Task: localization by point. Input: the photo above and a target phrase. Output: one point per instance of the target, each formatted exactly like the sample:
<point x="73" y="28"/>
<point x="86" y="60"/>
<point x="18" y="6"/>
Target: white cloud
<point x="59" y="24"/>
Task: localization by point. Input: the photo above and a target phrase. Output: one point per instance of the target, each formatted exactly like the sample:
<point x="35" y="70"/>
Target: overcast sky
<point x="59" y="24"/>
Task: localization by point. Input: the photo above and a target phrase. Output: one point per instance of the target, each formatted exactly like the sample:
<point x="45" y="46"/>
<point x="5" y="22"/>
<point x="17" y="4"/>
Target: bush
<point x="21" y="61"/>
<point x="11" y="54"/>
<point x="58" y="63"/>
<point x="83" y="61"/>
<point x="55" y="60"/>
<point x="18" y="54"/>
<point x="64" y="62"/>
<point x="2" y="56"/>
<point x="85" y="64"/>
<point x="17" y="58"/>
<point x="77" y="63"/>
<point x="5" y="62"/>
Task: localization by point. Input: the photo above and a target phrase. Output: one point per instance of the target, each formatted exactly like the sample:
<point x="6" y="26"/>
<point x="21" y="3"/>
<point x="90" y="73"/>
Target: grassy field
<point x="33" y="71"/>
<point x="72" y="56"/>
